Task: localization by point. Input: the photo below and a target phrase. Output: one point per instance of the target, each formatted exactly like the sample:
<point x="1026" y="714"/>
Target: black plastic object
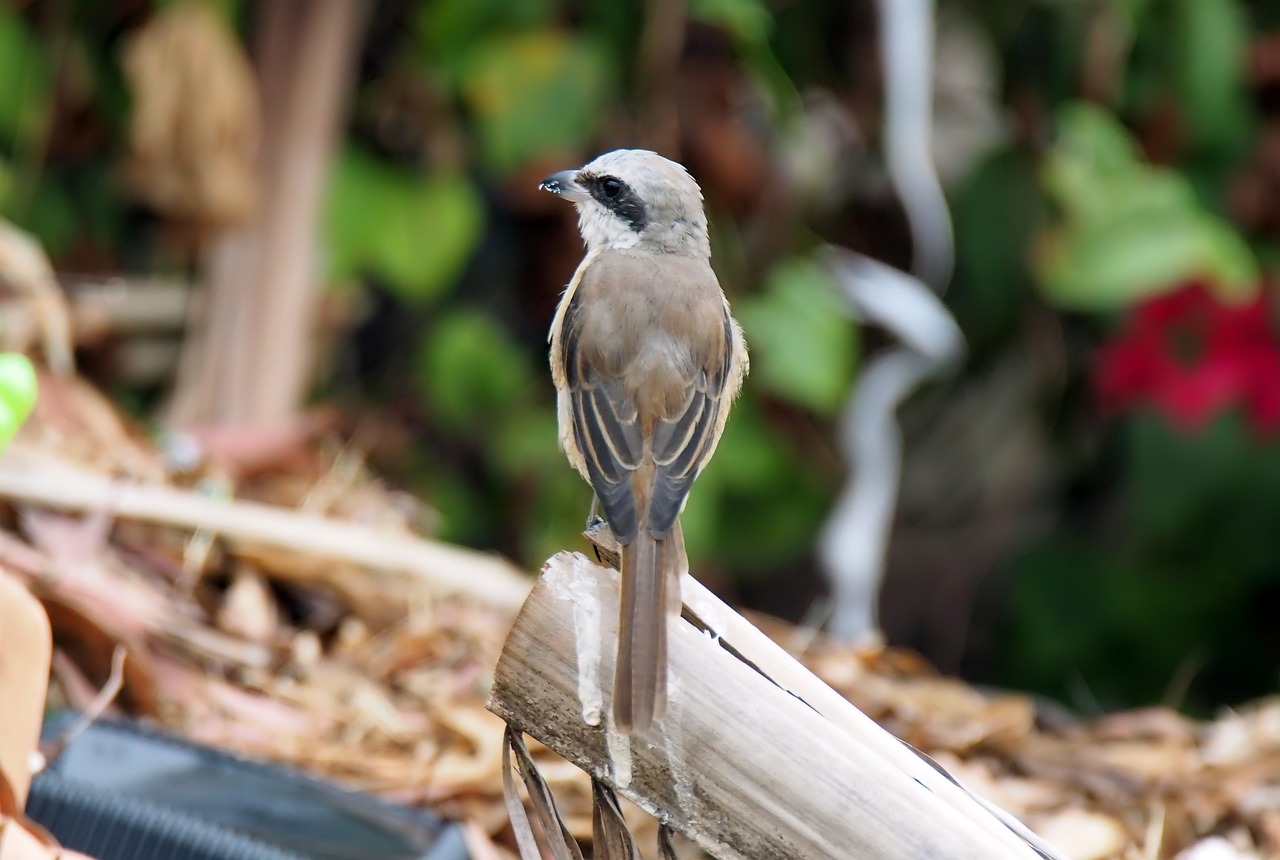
<point x="113" y="827"/>
<point x="123" y="791"/>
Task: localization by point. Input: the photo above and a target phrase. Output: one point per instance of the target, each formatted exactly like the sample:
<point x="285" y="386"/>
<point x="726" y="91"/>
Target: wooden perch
<point x="446" y="568"/>
<point x="755" y="758"/>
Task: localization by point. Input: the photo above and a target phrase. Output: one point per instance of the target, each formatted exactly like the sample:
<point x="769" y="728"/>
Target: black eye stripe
<point x="618" y="197"/>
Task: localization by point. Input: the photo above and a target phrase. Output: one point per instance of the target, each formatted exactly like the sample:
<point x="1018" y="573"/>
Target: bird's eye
<point x="611" y="187"/>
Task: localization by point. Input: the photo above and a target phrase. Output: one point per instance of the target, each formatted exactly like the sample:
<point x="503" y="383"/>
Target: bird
<point x="646" y="359"/>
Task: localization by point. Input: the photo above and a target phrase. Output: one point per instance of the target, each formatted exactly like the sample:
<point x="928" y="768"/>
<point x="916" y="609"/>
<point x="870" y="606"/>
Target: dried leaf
<point x="1238" y="736"/>
<point x="249" y="608"/>
<point x="666" y="845"/>
<point x="89" y="635"/>
<point x="25" y="269"/>
<point x="1216" y="848"/>
<point x="25" y="649"/>
<point x="1084" y="835"/>
<point x="545" y="811"/>
<point x="480" y="846"/>
<point x="610" y="837"/>
<point x="473" y="765"/>
<point x="515" y="806"/>
<point x="196" y="123"/>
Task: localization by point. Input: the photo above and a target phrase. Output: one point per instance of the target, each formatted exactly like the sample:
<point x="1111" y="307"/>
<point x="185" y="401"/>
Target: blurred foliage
<point x="24" y="81"/>
<point x="1130" y="157"/>
<point x="427" y="226"/>
<point x="1176" y="603"/>
<point x="1128" y="230"/>
<point x="17" y="394"/>
<point x="534" y="93"/>
<point x="1161" y="580"/>
<point x="802" y="343"/>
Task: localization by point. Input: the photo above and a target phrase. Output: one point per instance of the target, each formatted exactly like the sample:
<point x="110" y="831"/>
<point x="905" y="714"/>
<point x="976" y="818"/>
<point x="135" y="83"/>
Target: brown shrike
<point x="646" y="360"/>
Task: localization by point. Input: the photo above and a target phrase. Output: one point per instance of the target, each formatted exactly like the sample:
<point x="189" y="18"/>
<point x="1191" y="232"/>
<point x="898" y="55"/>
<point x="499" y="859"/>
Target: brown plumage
<point x="646" y="360"/>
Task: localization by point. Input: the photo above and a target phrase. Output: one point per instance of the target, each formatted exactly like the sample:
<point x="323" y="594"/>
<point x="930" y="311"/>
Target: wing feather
<point x="609" y="434"/>
<point x="689" y="437"/>
<point x="609" y="478"/>
<point x="619" y="423"/>
<point x="607" y="431"/>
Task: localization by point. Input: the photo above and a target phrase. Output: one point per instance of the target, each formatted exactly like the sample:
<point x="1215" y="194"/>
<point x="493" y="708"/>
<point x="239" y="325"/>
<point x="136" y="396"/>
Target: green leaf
<point x="448" y="30"/>
<point x="464" y="514"/>
<point x="753" y="507"/>
<point x="535" y="93"/>
<point x="998" y="209"/>
<point x="51" y="216"/>
<point x="1094" y="170"/>
<point x="756" y="505"/>
<point x="18" y="392"/>
<point x="1127" y="230"/>
<point x="25" y="81"/>
<point x="529" y="443"/>
<point x="473" y="374"/>
<point x="6" y="182"/>
<point x="802" y="339"/>
<point x="554" y="521"/>
<point x="415" y="231"/>
<point x="1212" y="40"/>
<point x="1228" y="260"/>
<point x="750" y="457"/>
<point x="763" y="537"/>
<point x="1205" y="494"/>
<point x="1132" y="10"/>
<point x="228" y="10"/>
<point x="700" y="519"/>
<point x="749" y="21"/>
<point x="1116" y="263"/>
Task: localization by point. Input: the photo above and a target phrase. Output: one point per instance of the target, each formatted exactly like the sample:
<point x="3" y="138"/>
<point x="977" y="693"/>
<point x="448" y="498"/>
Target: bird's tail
<point x="651" y="570"/>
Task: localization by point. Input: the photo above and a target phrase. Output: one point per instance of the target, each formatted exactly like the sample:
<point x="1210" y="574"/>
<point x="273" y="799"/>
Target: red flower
<point x="1191" y="357"/>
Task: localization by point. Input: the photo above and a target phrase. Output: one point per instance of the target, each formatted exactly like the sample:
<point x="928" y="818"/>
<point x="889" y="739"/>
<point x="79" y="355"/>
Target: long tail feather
<point x="651" y="569"/>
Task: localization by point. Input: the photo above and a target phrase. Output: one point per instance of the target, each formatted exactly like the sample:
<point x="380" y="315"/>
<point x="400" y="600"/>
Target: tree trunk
<point x="248" y="357"/>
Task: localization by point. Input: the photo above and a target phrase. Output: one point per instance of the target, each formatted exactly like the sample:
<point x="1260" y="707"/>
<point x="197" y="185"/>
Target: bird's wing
<point x="682" y="443"/>
<point x="608" y="431"/>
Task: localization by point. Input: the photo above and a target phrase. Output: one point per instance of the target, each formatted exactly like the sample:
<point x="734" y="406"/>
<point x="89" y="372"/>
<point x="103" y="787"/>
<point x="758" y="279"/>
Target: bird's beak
<point x="565" y="184"/>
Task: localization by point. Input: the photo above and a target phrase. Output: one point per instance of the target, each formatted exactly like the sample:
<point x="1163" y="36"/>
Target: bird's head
<point x="633" y="198"/>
